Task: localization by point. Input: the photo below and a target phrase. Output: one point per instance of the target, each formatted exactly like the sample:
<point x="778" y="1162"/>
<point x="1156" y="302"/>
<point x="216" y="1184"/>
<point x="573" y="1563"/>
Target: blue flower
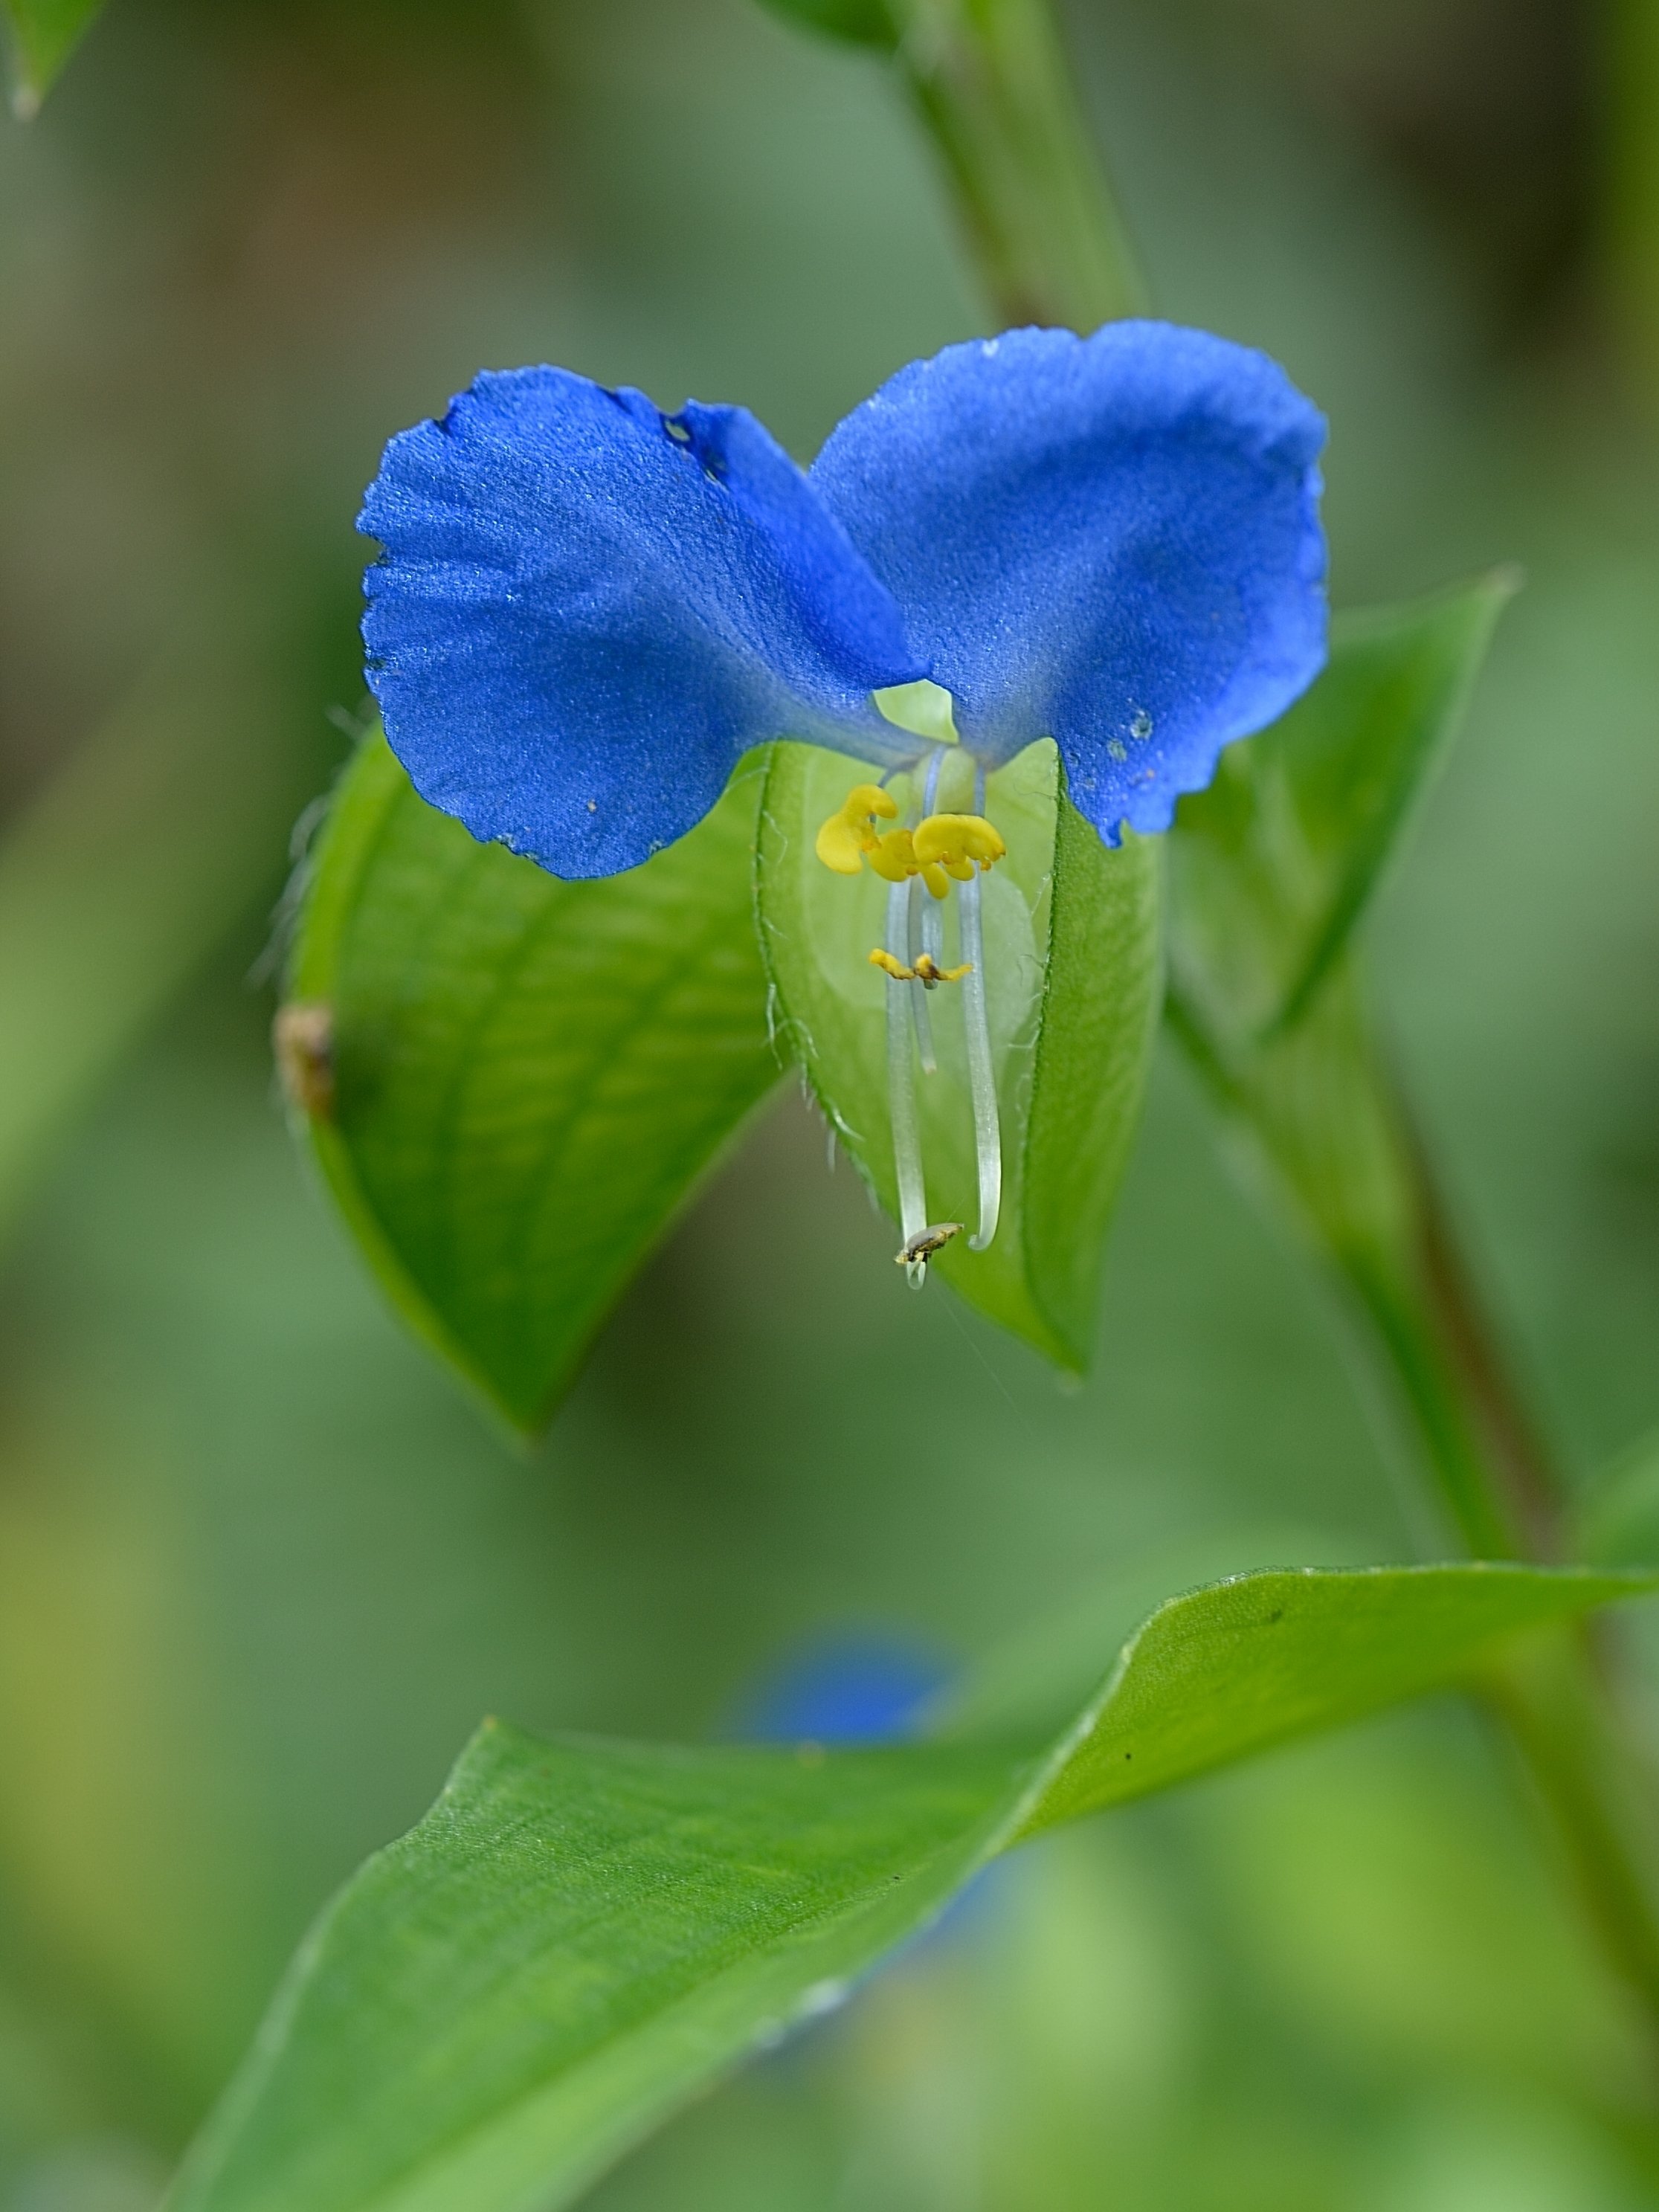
<point x="587" y="610"/>
<point x="849" y="1689"/>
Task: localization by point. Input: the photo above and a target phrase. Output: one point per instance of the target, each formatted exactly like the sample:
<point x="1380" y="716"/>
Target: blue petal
<point x="1111" y="541"/>
<point x="588" y="611"/>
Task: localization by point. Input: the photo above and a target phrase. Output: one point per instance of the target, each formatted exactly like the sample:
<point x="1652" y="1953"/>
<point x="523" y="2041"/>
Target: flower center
<point x="918" y="864"/>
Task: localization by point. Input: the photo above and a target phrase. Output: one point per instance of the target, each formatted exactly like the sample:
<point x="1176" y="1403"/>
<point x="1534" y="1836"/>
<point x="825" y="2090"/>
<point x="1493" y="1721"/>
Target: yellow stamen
<point x="958" y="842"/>
<point x="840" y="847"/>
<point x="946" y="846"/>
<point x="850" y="832"/>
<point x="890" y="966"/>
<point x="893" y="856"/>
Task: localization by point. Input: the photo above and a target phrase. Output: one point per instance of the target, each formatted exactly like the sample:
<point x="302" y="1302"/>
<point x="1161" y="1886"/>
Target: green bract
<point x="580" y="1935"/>
<point x="1073" y="979"/>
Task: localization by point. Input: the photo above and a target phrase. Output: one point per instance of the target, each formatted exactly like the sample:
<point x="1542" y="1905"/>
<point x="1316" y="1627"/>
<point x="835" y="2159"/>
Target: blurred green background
<point x="262" y="1567"/>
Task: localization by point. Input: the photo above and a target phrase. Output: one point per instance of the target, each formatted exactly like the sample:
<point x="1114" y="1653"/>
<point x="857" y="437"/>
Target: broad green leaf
<point x="1073" y="979"/>
<point x="44" y="34"/>
<point x="1272" y="866"/>
<point x="580" y="1935"/>
<point x="865" y="22"/>
<point x="514" y="1082"/>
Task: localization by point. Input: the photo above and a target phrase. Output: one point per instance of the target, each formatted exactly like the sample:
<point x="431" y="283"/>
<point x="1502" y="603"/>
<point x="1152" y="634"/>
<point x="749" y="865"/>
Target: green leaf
<point x="1272" y="866"/>
<point x="582" y="1935"/>
<point x="44" y="34"/>
<point x="514" y="1082"/>
<point x="865" y="22"/>
<point x="1071" y="957"/>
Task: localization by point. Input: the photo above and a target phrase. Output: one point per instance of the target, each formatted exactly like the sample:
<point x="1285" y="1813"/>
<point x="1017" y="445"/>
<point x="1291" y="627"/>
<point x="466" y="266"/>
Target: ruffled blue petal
<point x="588" y="611"/>
<point x="1111" y="541"/>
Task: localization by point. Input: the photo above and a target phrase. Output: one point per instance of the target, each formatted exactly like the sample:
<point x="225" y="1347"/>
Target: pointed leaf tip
<point x="44" y="34"/>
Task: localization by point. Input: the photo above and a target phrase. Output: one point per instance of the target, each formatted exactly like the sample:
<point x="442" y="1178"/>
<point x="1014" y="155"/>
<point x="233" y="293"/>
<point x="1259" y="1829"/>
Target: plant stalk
<point x="1316" y="1110"/>
<point x="1319" y="1117"/>
<point x="990" y="83"/>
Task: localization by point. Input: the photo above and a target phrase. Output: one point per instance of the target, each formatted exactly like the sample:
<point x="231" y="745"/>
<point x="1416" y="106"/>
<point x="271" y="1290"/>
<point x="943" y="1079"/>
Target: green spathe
<point x="1072" y="983"/>
<point x="580" y="1935"/>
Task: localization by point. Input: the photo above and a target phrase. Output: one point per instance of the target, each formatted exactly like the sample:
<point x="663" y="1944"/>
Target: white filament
<point x="981" y="1074"/>
<point x="916" y="905"/>
<point x="901" y="1085"/>
<point x="933" y="909"/>
<point x="926" y="929"/>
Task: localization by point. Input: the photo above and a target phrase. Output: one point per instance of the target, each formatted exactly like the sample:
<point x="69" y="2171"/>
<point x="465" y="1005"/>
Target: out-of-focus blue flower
<point x="587" y="610"/>
<point x="854" y="1689"/>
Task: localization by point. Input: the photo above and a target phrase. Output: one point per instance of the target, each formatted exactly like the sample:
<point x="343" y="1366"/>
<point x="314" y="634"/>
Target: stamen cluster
<point x="939" y="848"/>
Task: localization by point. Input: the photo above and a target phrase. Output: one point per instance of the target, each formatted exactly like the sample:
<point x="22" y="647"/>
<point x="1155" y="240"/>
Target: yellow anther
<point x="938" y="883"/>
<point x="958" y="842"/>
<point x="850" y="832"/>
<point x="840" y="847"/>
<point x="890" y="966"/>
<point x="894" y="856"/>
<point x="865" y="799"/>
<point x="927" y="971"/>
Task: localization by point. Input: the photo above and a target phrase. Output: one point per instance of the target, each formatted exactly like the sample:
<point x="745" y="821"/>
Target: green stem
<point x="992" y="84"/>
<point x="1321" y="1121"/>
<point x="1565" y="1719"/>
<point x="1320" y="1118"/>
<point x="1317" y="1108"/>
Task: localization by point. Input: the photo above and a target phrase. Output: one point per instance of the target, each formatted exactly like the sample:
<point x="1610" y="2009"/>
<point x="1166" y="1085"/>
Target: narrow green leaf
<point x="582" y="1935"/>
<point x="1072" y="958"/>
<point x="44" y="34"/>
<point x="1272" y="866"/>
<point x="518" y="1080"/>
<point x="865" y="22"/>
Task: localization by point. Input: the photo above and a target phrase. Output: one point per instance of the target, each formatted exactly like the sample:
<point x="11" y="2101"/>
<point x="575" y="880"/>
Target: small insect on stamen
<point x="919" y="1248"/>
<point x="930" y="975"/>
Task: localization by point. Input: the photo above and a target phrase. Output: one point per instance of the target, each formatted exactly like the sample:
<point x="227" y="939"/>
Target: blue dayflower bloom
<point x="847" y="1689"/>
<point x="587" y="610"/>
